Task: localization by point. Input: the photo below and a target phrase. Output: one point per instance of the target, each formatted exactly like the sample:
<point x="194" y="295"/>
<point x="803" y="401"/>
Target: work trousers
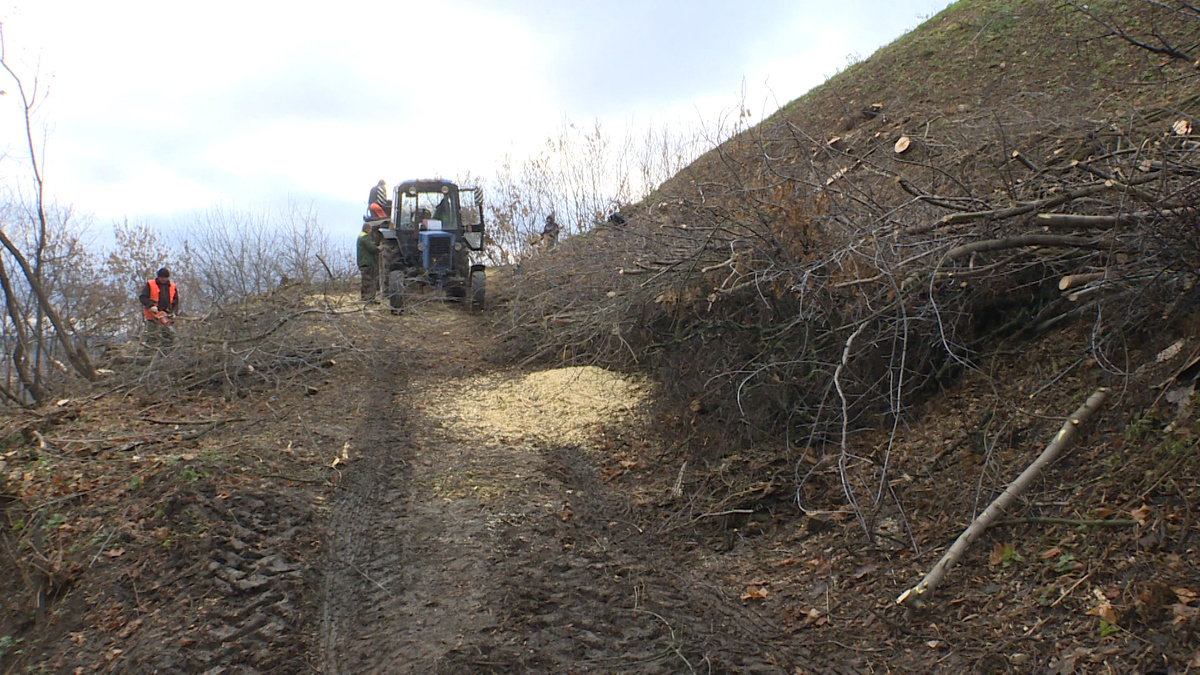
<point x="370" y="282"/>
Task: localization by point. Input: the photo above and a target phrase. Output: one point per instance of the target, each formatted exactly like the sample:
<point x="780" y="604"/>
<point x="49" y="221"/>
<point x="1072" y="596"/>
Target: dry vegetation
<point x="810" y="247"/>
<point x="855" y="324"/>
<point x="949" y="246"/>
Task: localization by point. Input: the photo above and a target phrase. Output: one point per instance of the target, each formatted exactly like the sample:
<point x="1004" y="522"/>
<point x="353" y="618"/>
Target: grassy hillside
<point x="873" y="310"/>
<point x="746" y="274"/>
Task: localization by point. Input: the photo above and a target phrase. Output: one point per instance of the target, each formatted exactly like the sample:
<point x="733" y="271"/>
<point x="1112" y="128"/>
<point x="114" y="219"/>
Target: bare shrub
<point x="800" y="284"/>
<point x="582" y="175"/>
<point x="234" y="254"/>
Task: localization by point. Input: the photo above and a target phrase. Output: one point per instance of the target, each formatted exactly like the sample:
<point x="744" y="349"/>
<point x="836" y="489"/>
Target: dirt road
<point x="404" y="499"/>
<point x="416" y="504"/>
<point x="473" y="531"/>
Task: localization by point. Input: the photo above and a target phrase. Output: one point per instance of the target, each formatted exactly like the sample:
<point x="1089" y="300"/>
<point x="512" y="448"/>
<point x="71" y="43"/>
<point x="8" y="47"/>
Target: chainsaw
<point x="162" y="318"/>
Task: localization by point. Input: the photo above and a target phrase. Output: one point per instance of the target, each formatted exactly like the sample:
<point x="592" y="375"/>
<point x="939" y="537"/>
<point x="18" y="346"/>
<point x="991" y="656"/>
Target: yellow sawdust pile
<point x="561" y="406"/>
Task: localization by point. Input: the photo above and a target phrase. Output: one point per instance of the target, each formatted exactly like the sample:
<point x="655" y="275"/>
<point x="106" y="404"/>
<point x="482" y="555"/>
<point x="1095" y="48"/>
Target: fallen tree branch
<point x="1025" y="240"/>
<point x="1073" y="221"/>
<point x="194" y="422"/>
<point x="913" y="596"/>
<point x="1081" y="522"/>
<point x="1076" y="280"/>
<point x="1049" y="202"/>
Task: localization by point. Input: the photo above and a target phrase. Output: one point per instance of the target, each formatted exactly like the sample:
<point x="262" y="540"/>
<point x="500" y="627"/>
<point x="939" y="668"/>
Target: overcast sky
<point x="153" y="110"/>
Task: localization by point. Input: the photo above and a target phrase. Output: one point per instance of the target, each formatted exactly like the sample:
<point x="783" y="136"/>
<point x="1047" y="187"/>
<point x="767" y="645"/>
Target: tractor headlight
<point x="458" y="246"/>
<point x="421" y="247"/>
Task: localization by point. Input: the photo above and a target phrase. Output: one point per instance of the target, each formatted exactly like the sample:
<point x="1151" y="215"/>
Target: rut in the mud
<point x="459" y="548"/>
<point x="363" y="546"/>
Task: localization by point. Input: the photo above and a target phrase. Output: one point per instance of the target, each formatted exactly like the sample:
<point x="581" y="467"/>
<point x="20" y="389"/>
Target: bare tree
<point x="582" y="175"/>
<point x="236" y="253"/>
<point x="30" y="266"/>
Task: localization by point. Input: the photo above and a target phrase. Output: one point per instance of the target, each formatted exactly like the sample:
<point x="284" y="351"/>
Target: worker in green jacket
<point x="368" y="265"/>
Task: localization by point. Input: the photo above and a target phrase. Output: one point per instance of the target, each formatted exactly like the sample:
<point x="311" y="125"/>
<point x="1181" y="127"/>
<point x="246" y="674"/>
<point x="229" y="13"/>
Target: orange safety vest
<point x="148" y="312"/>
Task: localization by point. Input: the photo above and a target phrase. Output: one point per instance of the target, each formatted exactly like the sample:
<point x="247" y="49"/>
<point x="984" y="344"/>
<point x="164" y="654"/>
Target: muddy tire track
<point x="363" y="546"/>
<point x="404" y="571"/>
<point x="593" y="589"/>
<point x="451" y="553"/>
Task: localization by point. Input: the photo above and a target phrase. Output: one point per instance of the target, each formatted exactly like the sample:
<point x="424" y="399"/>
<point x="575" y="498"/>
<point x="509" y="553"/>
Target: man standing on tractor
<point x="368" y="264"/>
<point x="160" y="301"/>
<point x="378" y="203"/>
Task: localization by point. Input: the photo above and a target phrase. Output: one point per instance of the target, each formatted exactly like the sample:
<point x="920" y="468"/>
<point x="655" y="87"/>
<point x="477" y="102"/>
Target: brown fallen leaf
<point x="1103" y="608"/>
<point x="1183" y="613"/>
<point x="114" y="553"/>
<point x="754" y="593"/>
<point x="997" y="555"/>
<point x="129" y="629"/>
<point x="1050" y="553"/>
<point x="864" y="571"/>
<point x="1141" y="513"/>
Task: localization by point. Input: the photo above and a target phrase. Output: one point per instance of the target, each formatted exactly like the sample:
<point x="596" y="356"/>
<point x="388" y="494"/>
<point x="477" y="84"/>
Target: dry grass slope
<point x="873" y="309"/>
<point x="1037" y="145"/>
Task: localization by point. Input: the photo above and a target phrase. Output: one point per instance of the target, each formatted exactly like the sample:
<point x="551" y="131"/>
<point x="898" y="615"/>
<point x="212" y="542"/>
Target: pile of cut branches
<point x="265" y="342"/>
<point x="817" y="284"/>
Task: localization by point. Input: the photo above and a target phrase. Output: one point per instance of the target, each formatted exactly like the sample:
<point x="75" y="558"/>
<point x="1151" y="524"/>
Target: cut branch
<point x="1025" y="240"/>
<point x="1050" y="202"/>
<point x="914" y="596"/>
<point x="1071" y="221"/>
<point x="1076" y="280"/>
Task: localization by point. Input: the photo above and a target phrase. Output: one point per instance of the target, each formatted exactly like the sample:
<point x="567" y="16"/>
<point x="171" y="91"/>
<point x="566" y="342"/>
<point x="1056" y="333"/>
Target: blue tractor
<point x="427" y="242"/>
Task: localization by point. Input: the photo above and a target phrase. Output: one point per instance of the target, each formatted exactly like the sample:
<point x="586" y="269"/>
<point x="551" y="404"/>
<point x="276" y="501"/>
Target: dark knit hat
<point x="164" y="273"/>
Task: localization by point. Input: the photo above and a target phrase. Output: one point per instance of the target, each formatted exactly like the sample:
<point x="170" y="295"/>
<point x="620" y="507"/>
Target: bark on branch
<point x="914" y="596"/>
<point x="1049" y="202"/>
<point x="1025" y="240"/>
<point x="1076" y="280"/>
<point x="1071" y="221"/>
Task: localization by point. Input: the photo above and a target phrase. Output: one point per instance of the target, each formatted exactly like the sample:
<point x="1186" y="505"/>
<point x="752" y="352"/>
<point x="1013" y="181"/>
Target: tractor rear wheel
<point x="395" y="290"/>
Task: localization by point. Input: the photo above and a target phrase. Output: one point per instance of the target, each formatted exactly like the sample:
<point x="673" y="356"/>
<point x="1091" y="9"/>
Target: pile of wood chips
<point x="564" y="406"/>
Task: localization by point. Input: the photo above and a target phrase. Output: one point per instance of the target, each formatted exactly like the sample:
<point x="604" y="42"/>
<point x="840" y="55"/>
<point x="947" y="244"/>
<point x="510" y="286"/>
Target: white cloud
<point x="160" y="106"/>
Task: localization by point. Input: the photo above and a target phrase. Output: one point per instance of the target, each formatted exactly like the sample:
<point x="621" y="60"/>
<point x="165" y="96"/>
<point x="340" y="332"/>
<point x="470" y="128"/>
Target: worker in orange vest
<point x="160" y="301"/>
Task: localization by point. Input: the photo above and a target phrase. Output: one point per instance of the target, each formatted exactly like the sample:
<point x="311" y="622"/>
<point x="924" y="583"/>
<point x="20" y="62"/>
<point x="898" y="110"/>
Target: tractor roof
<point x="427" y="185"/>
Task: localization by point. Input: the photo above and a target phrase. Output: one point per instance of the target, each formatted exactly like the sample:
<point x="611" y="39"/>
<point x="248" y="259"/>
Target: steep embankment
<point x="871" y="311"/>
<point x="855" y="343"/>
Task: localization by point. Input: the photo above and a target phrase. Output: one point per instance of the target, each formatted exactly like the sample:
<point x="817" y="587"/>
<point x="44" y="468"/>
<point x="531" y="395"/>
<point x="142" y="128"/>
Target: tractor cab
<point x="435" y="226"/>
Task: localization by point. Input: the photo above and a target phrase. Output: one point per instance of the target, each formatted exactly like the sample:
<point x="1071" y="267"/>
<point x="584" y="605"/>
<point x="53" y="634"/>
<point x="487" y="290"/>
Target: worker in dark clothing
<point x="368" y="265"/>
<point x="160" y="302"/>
<point x="378" y="203"/>
<point x="550" y="232"/>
